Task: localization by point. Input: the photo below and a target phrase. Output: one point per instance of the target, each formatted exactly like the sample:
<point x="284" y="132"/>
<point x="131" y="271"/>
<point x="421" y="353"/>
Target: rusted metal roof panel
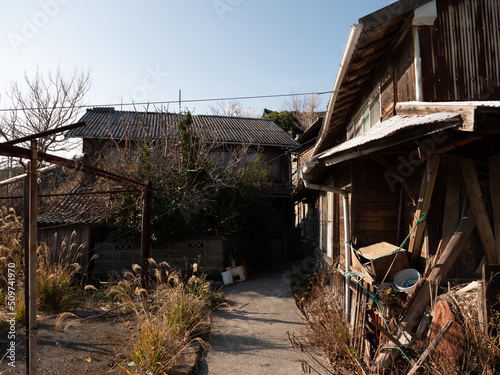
<point x="461" y="51"/>
<point x="107" y="123"/>
<point x="395" y="125"/>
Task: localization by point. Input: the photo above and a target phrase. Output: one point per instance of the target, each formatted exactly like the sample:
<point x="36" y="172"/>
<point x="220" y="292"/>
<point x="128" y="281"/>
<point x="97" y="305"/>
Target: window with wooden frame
<point x="367" y="117"/>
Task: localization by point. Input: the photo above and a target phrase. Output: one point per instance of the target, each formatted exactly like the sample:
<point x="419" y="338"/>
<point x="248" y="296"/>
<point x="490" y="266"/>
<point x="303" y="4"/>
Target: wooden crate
<point x="383" y="259"/>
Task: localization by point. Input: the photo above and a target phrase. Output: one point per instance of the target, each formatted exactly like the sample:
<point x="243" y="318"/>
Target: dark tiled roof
<point x="78" y="209"/>
<point x="107" y="123"/>
<point x="312" y="131"/>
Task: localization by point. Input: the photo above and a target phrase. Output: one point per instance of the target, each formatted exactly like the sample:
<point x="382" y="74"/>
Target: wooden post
<point x="495" y="198"/>
<point x="31" y="277"/>
<point x="478" y="207"/>
<point x="146" y="235"/>
<point x="424" y="201"/>
<point x="27" y="266"/>
<point x="451" y="206"/>
<point x="452" y="209"/>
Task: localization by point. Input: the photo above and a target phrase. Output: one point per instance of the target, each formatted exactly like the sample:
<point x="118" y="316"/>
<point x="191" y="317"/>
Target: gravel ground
<point x="90" y="347"/>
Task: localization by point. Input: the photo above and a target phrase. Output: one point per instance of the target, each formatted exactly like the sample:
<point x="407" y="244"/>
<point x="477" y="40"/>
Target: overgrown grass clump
<point x="56" y="276"/>
<point x="171" y="314"/>
<point x="11" y="254"/>
<point x="56" y="272"/>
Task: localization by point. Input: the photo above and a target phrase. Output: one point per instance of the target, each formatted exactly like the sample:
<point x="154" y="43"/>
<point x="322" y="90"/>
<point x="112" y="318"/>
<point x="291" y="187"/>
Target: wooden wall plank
<point x="478" y="207"/>
<point x="495" y="198"/>
<point x="452" y="206"/>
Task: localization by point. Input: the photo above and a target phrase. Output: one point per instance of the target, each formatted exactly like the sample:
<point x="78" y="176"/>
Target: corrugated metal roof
<point x="78" y="209"/>
<point x="108" y="123"/>
<point x="391" y="127"/>
<point x="391" y="11"/>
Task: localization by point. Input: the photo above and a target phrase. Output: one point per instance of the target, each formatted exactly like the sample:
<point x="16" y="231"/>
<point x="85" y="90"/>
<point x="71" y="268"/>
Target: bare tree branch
<point x="44" y="102"/>
<point x="305" y="108"/>
<point x="232" y="108"/>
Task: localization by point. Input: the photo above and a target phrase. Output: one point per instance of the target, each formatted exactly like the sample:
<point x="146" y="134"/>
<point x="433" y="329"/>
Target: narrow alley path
<point x="251" y="337"/>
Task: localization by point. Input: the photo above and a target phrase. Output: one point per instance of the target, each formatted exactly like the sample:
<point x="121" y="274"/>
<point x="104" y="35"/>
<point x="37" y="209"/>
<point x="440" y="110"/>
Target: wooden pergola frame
<point x="30" y="222"/>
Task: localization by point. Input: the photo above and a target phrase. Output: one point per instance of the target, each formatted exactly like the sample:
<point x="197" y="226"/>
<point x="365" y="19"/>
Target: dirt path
<point x="90" y="347"/>
<point x="251" y="337"/>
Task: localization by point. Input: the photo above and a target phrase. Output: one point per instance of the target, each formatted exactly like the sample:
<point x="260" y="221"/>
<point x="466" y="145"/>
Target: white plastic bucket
<point x="405" y="280"/>
<point x="227" y="277"/>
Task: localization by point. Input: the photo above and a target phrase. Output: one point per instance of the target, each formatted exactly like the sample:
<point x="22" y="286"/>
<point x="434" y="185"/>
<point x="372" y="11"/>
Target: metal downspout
<point x="418" y="67"/>
<point x="347" y="231"/>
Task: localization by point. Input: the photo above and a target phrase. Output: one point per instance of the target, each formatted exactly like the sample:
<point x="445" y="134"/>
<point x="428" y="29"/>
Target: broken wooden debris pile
<point x="442" y="317"/>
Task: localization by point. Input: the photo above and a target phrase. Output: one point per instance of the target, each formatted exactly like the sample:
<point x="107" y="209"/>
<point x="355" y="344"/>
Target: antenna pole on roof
<point x="179" y="101"/>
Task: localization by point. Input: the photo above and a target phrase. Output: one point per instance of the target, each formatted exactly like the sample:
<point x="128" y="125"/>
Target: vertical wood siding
<point x="405" y="70"/>
<point x="374" y="205"/>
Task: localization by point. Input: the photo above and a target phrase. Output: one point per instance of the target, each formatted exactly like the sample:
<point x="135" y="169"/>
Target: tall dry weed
<point x="328" y="329"/>
<point x="11" y="242"/>
<point x="171" y="314"/>
<point x="57" y="270"/>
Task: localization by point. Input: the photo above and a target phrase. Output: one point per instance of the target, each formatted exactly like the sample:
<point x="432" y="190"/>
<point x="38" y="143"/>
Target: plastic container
<point x="405" y="280"/>
<point x="239" y="272"/>
<point x="227" y="277"/>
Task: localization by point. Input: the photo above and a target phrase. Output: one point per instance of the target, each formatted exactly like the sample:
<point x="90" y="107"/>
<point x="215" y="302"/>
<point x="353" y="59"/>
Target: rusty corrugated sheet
<point x="107" y="123"/>
<point x="461" y="51"/>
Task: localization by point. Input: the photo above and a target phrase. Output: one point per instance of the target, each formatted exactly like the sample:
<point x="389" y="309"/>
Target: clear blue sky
<point x="148" y="50"/>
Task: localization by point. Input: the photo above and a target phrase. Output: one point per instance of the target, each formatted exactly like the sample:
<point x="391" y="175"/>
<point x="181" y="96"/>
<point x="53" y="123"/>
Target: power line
<point x="169" y="101"/>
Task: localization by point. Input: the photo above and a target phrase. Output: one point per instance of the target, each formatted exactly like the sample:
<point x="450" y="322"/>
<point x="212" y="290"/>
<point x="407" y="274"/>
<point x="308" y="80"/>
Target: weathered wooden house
<point x="107" y="129"/>
<point x="76" y="224"/>
<point x="407" y="161"/>
<point x="305" y="200"/>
